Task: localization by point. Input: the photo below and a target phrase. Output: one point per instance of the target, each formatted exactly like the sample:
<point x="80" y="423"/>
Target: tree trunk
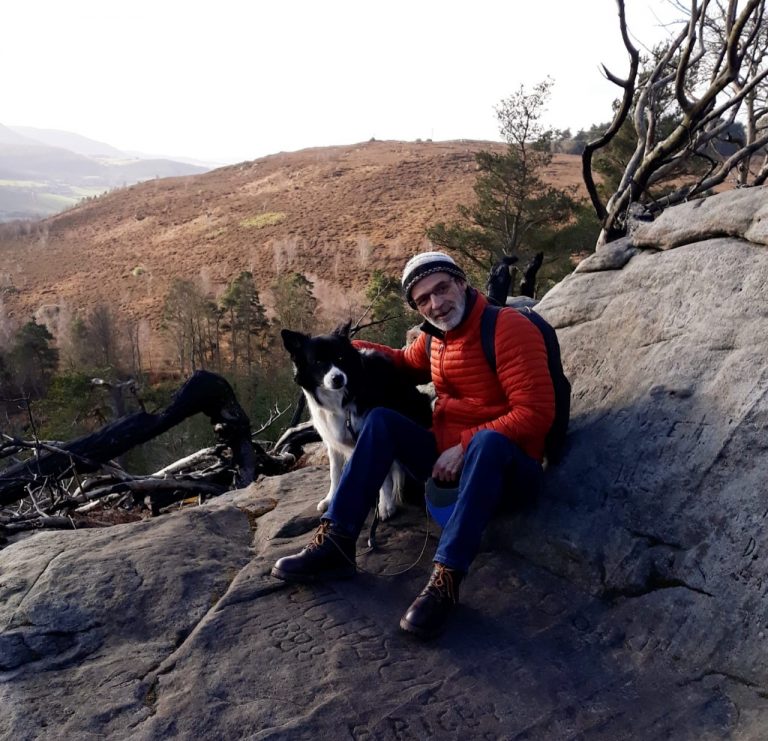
<point x="204" y="392"/>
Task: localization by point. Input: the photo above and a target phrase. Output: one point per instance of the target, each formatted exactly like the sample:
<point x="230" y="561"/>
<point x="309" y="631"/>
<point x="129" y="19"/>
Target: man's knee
<point x="380" y="419"/>
<point x="489" y="442"/>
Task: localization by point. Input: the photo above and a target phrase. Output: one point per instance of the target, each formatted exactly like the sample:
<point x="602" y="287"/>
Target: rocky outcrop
<point x="628" y="602"/>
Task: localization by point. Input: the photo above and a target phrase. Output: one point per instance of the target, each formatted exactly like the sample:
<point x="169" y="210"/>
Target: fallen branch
<point x="58" y="478"/>
<point x="49" y="522"/>
<point x="293" y="440"/>
<point x="204" y="392"/>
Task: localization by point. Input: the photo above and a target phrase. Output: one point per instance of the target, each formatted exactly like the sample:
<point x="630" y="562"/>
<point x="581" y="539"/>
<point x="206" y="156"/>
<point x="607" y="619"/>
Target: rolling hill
<point x="332" y="213"/>
<point x="69" y="140"/>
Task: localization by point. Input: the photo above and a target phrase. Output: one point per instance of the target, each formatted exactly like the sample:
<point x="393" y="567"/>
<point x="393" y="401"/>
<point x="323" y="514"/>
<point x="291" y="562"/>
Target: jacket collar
<point x="475" y="304"/>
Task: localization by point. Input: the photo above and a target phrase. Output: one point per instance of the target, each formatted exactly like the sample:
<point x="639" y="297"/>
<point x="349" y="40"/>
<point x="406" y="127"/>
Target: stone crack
<point x="32" y="586"/>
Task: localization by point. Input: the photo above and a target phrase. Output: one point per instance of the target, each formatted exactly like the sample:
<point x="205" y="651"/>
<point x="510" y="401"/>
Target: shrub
<point x="269" y="218"/>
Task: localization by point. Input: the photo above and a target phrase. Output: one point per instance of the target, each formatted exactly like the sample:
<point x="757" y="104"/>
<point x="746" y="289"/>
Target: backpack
<point x="555" y="439"/>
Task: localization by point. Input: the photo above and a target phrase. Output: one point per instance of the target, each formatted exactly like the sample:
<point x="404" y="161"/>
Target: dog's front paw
<point x="386" y="508"/>
<point x="323" y="504"/>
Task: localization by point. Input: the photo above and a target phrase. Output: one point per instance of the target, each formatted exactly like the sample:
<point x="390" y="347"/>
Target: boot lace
<point x="441" y="583"/>
<point x="320" y="535"/>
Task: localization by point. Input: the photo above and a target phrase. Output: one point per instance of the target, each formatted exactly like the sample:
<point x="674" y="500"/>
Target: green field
<point x="21" y="184"/>
<point x="29" y="199"/>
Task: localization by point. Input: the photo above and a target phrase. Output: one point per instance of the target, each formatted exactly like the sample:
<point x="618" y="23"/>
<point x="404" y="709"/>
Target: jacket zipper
<point x="441" y="359"/>
<point x="441" y="353"/>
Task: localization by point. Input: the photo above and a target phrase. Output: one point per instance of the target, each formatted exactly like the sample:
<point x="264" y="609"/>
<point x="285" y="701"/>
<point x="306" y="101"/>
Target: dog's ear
<point x="293" y="341"/>
<point x="343" y="329"/>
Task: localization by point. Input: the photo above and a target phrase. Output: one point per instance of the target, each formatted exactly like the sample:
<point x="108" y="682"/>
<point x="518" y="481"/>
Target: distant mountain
<point x="207" y="164"/>
<point x="9" y="136"/>
<point x="43" y="171"/>
<point x="34" y="162"/>
<point x="136" y="171"/>
<point x="68" y="140"/>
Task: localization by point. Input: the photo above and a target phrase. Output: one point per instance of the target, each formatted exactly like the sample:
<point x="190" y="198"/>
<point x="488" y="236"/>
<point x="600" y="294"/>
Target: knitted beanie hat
<point x="419" y="266"/>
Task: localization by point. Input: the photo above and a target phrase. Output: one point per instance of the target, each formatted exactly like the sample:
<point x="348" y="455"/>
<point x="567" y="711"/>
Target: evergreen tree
<point x="295" y="304"/>
<point x="387" y="306"/>
<point x="102" y="331"/>
<point x="33" y="360"/>
<point x="94" y="344"/>
<point x="245" y="319"/>
<point x="514" y="207"/>
<point x="77" y="350"/>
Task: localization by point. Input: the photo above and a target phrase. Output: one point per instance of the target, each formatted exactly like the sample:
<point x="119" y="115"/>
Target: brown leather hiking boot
<point x="330" y="555"/>
<point x="427" y="615"/>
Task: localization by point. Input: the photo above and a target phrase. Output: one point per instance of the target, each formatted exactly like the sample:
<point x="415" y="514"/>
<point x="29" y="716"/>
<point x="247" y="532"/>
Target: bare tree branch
<point x="619" y="117"/>
<point x="204" y="392"/>
<point x="274" y="414"/>
<point x="702" y="83"/>
<point x="47" y="487"/>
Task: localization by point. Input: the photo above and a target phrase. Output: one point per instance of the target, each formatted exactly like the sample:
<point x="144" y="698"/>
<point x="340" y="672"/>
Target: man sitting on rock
<point x="488" y="433"/>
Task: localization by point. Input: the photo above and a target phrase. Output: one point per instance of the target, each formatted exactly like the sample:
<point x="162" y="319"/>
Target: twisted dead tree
<point x="528" y="283"/>
<point x="57" y="479"/>
<point x="500" y="280"/>
<point x="682" y="108"/>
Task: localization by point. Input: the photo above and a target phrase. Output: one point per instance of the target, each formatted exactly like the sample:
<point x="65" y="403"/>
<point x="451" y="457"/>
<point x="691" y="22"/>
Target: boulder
<point x="741" y="213"/>
<point x="627" y="602"/>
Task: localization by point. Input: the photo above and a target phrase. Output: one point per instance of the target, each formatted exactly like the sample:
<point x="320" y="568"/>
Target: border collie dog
<point x="341" y="385"/>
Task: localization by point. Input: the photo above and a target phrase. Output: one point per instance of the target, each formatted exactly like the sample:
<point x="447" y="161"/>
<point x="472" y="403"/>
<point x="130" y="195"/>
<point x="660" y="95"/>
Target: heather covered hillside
<point x="331" y="214"/>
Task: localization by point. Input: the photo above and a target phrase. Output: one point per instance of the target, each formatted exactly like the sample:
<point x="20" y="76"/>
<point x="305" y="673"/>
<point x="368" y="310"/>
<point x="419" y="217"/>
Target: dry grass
<point x="334" y="214"/>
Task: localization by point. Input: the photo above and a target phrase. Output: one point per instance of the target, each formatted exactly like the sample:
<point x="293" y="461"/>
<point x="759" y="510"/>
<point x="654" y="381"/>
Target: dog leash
<point x="371" y="549"/>
<point x="374" y="526"/>
<point x="348" y="425"/>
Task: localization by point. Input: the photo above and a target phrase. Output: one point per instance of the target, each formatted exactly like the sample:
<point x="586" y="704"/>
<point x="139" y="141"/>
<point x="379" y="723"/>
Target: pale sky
<point x="232" y="80"/>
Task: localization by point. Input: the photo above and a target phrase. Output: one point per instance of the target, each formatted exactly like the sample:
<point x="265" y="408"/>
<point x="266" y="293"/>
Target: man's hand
<point x="448" y="466"/>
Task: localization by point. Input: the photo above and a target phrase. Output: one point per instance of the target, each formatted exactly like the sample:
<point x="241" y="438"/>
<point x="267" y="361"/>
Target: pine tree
<point x="295" y="304"/>
<point x="32" y="359"/>
<point x="246" y="319"/>
<point x="514" y="209"/>
<point x="385" y="298"/>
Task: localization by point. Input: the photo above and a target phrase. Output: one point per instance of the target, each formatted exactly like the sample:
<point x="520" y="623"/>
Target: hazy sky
<point x="232" y="80"/>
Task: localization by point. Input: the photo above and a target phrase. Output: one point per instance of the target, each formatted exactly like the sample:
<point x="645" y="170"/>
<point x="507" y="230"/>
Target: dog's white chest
<point x="333" y="421"/>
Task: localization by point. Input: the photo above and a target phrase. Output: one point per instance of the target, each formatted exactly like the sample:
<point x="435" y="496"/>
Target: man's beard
<point x="456" y="315"/>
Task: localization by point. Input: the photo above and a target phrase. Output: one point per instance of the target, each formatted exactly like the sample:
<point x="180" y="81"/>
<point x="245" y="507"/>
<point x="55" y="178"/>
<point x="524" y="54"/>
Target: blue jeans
<point x="496" y="473"/>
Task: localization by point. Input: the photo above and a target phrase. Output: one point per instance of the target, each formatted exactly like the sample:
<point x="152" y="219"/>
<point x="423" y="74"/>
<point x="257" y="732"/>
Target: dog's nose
<point x="337" y="380"/>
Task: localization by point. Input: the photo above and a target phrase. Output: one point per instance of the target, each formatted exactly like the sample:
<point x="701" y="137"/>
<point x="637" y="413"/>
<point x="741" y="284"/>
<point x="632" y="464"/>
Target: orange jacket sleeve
<point x="413" y="359"/>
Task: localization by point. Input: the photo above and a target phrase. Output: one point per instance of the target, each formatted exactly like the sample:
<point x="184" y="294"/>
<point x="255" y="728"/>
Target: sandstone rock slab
<point x="528" y="654"/>
<point x="628" y="602"/>
<point x="740" y="213"/>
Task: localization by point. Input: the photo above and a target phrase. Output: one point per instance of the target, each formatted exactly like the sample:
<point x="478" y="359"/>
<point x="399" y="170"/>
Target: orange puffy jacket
<point x="518" y="400"/>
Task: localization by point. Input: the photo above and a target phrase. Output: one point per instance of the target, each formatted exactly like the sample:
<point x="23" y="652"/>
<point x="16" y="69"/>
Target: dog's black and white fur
<point x="341" y="385"/>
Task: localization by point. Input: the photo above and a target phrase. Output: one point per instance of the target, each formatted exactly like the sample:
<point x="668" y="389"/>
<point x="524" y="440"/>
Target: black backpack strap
<point x="428" y="348"/>
<point x="488" y="333"/>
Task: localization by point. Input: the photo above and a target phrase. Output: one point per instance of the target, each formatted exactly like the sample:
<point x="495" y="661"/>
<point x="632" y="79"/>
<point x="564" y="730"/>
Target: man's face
<point x="441" y="299"/>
